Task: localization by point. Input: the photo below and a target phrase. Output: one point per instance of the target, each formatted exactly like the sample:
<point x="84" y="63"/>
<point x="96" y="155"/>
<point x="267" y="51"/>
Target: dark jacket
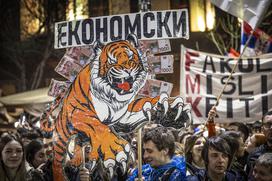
<point x="202" y="176"/>
<point x="191" y="168"/>
<point x="254" y="156"/>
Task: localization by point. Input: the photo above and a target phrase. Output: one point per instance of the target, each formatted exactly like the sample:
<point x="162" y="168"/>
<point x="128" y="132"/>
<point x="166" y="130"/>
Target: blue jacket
<point x="175" y="170"/>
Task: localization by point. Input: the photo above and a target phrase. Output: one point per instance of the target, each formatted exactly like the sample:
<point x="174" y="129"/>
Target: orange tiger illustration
<point x="100" y="103"/>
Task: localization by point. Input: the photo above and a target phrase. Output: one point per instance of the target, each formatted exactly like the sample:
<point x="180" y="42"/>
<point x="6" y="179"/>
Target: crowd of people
<point x="237" y="151"/>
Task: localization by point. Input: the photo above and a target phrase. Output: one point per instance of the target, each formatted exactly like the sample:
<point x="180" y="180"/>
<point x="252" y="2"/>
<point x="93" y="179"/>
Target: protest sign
<point x="145" y="25"/>
<point x="248" y="94"/>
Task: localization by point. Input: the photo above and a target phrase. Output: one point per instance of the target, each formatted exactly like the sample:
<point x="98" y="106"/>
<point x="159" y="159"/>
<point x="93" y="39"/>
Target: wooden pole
<point x="139" y="149"/>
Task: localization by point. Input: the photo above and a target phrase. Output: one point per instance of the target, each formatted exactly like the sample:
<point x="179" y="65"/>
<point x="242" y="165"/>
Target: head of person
<point x="11" y="156"/>
<point x="235" y="140"/>
<point x="158" y="146"/>
<point x="179" y="149"/>
<point x="267" y="127"/>
<point x="183" y="136"/>
<point x="217" y="155"/>
<point x="36" y="153"/>
<point x="263" y="168"/>
<point x="240" y="127"/>
<point x="28" y="136"/>
<point x="193" y="148"/>
<point x="255" y="141"/>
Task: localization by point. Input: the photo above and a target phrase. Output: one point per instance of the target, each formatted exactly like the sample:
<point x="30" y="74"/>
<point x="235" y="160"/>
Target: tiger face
<point x="118" y="71"/>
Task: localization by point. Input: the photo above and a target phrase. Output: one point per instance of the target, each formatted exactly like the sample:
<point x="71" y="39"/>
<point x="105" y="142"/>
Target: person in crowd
<point x="183" y="135"/>
<point x="235" y="140"/>
<point x="159" y="148"/>
<point x="179" y="149"/>
<point x="254" y="141"/>
<point x="35" y="153"/>
<point x="36" y="158"/>
<point x="28" y="137"/>
<point x="265" y="148"/>
<point x="240" y="127"/>
<point x="256" y="127"/>
<point x="193" y="148"/>
<point x="263" y="168"/>
<point x="12" y="165"/>
<point x="217" y="158"/>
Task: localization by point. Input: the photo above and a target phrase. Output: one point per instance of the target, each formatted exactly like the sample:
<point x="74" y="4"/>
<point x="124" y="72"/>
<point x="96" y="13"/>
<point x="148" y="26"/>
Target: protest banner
<point x="247" y="96"/>
<point x="146" y="25"/>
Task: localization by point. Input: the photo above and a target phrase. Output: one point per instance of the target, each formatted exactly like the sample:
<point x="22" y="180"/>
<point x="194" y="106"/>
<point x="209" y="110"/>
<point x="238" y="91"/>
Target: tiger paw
<point x="113" y="152"/>
<point x="170" y="112"/>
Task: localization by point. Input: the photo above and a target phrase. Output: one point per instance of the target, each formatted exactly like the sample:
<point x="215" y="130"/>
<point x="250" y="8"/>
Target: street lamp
<point x="202" y="15"/>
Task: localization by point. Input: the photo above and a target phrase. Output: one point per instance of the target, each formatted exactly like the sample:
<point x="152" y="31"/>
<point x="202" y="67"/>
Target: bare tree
<point x="28" y="51"/>
<point x="227" y="33"/>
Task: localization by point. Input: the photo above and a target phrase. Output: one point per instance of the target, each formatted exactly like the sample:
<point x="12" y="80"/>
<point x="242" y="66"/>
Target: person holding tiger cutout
<point x="100" y="104"/>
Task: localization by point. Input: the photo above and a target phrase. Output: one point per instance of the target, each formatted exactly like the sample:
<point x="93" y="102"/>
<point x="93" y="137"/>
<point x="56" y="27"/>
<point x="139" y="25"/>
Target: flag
<point x="233" y="53"/>
<point x="250" y="11"/>
<point x="260" y="42"/>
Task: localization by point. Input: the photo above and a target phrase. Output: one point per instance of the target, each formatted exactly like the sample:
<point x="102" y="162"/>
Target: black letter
<point x="211" y="63"/>
<point x="240" y="85"/>
<point x="145" y="24"/>
<point x="264" y="90"/>
<point x="247" y="105"/>
<point x="103" y="29"/>
<point x="232" y="90"/>
<point x="72" y="33"/>
<point x="209" y="84"/>
<point x="61" y="34"/>
<point x="163" y="24"/>
<point x="177" y="23"/>
<point x="88" y="22"/>
<point x="249" y="68"/>
<point x="118" y="19"/>
<point x="131" y="28"/>
<point x="224" y="64"/>
<point x="229" y="108"/>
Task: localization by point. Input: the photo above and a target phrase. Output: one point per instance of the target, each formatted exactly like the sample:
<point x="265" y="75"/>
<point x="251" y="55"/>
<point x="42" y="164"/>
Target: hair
<point x="232" y="139"/>
<point x="179" y="149"/>
<point x="182" y="135"/>
<point x="218" y="144"/>
<point x="260" y="139"/>
<point x="21" y="172"/>
<point x="266" y="114"/>
<point x="189" y="144"/>
<point x="242" y="128"/>
<point x="265" y="160"/>
<point x="31" y="149"/>
<point x="30" y="135"/>
<point x="162" y="138"/>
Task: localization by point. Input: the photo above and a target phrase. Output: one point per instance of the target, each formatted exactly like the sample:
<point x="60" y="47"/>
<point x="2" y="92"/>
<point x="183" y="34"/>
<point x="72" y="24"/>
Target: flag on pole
<point x="250" y="11"/>
<point x="233" y="53"/>
<point x="260" y="43"/>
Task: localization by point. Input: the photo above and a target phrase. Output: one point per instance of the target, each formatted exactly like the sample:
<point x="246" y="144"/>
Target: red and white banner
<point x="247" y="96"/>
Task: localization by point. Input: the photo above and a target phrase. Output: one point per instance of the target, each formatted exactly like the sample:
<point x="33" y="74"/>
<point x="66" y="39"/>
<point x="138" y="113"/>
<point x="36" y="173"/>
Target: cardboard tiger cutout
<point x="100" y="103"/>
